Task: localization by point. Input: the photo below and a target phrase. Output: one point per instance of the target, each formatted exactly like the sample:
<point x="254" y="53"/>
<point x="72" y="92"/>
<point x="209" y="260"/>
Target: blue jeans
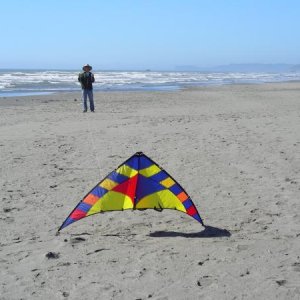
<point x="85" y="94"/>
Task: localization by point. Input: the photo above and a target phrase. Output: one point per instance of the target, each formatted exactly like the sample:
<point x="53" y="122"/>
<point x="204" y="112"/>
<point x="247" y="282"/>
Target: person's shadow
<point x="208" y="232"/>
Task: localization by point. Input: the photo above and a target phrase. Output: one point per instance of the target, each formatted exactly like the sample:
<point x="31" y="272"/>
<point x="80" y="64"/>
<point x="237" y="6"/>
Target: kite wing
<point x="138" y="183"/>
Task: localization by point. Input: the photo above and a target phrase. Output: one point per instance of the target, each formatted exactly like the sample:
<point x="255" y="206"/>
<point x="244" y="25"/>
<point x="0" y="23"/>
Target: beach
<point x="234" y="149"/>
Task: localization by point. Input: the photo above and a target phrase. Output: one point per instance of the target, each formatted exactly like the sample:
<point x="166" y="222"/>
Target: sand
<point x="235" y="149"/>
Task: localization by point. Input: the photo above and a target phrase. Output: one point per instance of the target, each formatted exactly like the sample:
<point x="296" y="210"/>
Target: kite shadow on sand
<point x="208" y="232"/>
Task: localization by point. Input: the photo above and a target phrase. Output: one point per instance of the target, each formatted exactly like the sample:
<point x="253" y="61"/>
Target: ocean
<point x="34" y="82"/>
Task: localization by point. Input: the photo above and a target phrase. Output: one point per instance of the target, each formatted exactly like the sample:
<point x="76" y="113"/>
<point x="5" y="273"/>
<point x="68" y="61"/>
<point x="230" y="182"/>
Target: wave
<point x="55" y="81"/>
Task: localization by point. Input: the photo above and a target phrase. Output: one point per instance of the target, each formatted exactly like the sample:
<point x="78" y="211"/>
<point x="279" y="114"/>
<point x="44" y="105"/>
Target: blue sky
<point x="156" y="34"/>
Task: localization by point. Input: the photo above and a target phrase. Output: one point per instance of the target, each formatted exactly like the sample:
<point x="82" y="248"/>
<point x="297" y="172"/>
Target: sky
<point x="148" y="34"/>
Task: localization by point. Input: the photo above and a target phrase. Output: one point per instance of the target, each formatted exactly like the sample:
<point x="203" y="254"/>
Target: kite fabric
<point x="138" y="183"/>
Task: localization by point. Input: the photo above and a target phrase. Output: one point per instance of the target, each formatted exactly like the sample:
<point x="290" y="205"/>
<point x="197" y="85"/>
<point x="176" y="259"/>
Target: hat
<point x="87" y="66"/>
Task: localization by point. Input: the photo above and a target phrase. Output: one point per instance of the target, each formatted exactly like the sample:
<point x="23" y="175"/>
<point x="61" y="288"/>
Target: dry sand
<point x="235" y="149"/>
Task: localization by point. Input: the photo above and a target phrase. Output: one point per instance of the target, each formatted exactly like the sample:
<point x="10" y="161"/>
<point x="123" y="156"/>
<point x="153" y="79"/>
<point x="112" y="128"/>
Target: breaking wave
<point x="14" y="82"/>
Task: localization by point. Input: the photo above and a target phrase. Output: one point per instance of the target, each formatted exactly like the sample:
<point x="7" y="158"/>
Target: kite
<point x="137" y="184"/>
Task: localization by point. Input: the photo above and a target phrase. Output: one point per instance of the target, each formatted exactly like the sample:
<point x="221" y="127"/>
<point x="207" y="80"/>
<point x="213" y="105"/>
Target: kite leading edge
<point x="138" y="183"/>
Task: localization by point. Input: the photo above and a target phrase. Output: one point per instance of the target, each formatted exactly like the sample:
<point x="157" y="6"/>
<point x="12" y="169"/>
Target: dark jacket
<point x="86" y="80"/>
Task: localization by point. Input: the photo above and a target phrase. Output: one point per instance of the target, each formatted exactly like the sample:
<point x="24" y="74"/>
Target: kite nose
<point x="139" y="153"/>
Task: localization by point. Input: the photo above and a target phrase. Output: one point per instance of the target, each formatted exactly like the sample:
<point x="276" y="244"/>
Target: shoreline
<point x="161" y="89"/>
<point x="154" y="87"/>
<point x="166" y="89"/>
<point x="77" y="94"/>
<point x="233" y="148"/>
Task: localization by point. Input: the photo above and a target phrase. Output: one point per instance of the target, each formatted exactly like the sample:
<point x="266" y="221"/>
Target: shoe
<point x="84" y="111"/>
<point x="92" y="111"/>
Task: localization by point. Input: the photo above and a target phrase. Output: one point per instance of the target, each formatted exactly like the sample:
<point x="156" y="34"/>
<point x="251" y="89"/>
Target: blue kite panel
<point x="117" y="177"/>
<point x="146" y="186"/>
<point x="144" y="162"/>
<point x="160" y="176"/>
<point x="99" y="191"/>
<point x="84" y="207"/>
<point x="133" y="162"/>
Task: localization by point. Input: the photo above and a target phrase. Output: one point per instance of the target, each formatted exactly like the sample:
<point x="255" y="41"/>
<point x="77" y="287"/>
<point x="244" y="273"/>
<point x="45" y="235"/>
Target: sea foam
<point x="33" y="81"/>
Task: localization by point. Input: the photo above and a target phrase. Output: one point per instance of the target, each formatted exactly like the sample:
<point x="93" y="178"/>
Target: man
<point x="86" y="79"/>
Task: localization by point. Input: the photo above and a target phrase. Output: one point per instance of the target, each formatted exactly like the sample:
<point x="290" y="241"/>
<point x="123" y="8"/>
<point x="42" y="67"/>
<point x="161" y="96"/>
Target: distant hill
<point x="254" y="68"/>
<point x="246" y="68"/>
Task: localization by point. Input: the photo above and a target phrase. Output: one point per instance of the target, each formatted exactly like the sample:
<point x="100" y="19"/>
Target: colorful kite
<point x="138" y="183"/>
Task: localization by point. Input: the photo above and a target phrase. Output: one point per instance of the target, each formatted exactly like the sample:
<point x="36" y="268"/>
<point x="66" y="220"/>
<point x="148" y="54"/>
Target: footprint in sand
<point x="77" y="240"/>
<point x="205" y="281"/>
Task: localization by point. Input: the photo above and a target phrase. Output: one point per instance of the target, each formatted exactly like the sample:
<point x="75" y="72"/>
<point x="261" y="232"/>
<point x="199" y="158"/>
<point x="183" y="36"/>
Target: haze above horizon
<point x="156" y="35"/>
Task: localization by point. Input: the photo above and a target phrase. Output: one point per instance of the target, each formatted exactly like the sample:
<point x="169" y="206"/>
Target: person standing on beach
<point x="86" y="79"/>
